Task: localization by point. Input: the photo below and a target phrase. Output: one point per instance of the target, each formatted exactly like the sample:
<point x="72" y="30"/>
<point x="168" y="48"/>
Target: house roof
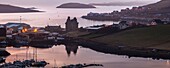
<point x="123" y="22"/>
<point x="10" y="24"/>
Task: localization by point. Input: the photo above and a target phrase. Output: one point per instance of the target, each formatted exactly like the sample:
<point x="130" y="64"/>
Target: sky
<point x="58" y="2"/>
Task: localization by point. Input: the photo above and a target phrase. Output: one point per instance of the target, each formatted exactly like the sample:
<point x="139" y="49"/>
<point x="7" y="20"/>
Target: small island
<point x="75" y="5"/>
<point x="15" y="9"/>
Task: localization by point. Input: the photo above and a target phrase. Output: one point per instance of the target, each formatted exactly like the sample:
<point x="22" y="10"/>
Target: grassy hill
<point x="162" y="6"/>
<point x="150" y="37"/>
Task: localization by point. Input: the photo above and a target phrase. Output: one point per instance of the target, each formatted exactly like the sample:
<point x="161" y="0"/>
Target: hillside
<point x="162" y="6"/>
<point x="148" y="37"/>
<point x="75" y="5"/>
<point x="14" y="9"/>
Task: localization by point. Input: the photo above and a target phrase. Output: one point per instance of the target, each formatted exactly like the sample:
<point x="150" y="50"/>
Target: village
<point x="18" y="34"/>
<point x="22" y="34"/>
<point x="141" y="13"/>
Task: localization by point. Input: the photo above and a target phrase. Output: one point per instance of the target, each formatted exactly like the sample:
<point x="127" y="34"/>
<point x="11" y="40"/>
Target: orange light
<point x="35" y="30"/>
<point x="25" y="30"/>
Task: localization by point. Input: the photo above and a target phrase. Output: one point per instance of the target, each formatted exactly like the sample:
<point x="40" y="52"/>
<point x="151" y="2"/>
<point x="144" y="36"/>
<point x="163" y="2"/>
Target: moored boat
<point x="39" y="64"/>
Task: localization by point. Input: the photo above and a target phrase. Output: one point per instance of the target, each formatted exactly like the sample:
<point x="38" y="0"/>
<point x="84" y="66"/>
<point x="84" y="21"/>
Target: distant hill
<point x="136" y="3"/>
<point x="162" y="6"/>
<point x="75" y="5"/>
<point x="14" y="9"/>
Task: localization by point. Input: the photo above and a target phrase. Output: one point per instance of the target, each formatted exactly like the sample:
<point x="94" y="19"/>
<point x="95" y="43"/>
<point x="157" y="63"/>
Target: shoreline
<point x="123" y="50"/>
<point x="101" y="18"/>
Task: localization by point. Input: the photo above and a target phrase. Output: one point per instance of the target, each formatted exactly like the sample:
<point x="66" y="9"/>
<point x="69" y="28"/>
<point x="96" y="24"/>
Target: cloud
<point x="56" y="2"/>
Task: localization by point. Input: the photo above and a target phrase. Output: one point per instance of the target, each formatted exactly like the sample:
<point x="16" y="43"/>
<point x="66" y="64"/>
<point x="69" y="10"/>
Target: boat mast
<point x="33" y="54"/>
<point x="36" y="55"/>
<point x="27" y="53"/>
<point x="20" y="18"/>
<point x="16" y="57"/>
<point x="55" y="64"/>
<point x="48" y="22"/>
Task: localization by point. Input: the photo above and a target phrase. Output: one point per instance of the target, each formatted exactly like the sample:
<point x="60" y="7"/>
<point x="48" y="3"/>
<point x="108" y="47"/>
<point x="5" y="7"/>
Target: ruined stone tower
<point x="71" y="24"/>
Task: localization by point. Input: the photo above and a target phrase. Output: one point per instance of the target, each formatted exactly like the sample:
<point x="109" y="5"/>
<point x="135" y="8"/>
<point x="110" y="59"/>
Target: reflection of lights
<point x="167" y="62"/>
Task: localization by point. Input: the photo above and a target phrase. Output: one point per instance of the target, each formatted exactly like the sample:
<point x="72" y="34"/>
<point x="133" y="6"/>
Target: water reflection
<point x="61" y="54"/>
<point x="3" y="52"/>
<point x="168" y="62"/>
<point x="71" y="48"/>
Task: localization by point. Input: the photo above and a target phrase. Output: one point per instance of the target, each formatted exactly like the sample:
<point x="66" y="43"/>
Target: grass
<point x="148" y="37"/>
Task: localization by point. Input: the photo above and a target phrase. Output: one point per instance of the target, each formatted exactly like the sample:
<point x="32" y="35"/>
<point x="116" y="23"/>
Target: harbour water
<point x="60" y="53"/>
<point x="57" y="16"/>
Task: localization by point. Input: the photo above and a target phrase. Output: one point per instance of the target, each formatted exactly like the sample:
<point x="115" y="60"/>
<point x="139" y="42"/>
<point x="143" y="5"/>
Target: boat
<point x="19" y="64"/>
<point x="28" y="62"/>
<point x="81" y="65"/>
<point x="39" y="64"/>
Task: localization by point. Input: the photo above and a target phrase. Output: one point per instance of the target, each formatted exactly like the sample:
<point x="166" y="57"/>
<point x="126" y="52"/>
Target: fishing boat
<point x="19" y="64"/>
<point x="81" y="65"/>
<point x="39" y="64"/>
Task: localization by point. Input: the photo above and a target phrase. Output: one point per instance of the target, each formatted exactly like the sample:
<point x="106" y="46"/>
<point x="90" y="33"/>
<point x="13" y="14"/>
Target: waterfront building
<point x="53" y="28"/>
<point x="17" y="27"/>
<point x="71" y="24"/>
<point x="123" y="25"/>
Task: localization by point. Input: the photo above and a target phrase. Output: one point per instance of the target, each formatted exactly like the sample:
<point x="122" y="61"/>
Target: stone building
<point x="53" y="28"/>
<point x="71" y="24"/>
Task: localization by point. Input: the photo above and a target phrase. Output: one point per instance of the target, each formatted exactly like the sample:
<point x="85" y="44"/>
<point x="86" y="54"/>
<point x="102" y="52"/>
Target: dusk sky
<point x="57" y="2"/>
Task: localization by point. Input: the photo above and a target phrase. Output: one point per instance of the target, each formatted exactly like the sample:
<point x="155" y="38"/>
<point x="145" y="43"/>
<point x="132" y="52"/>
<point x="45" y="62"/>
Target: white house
<point x="123" y="25"/>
